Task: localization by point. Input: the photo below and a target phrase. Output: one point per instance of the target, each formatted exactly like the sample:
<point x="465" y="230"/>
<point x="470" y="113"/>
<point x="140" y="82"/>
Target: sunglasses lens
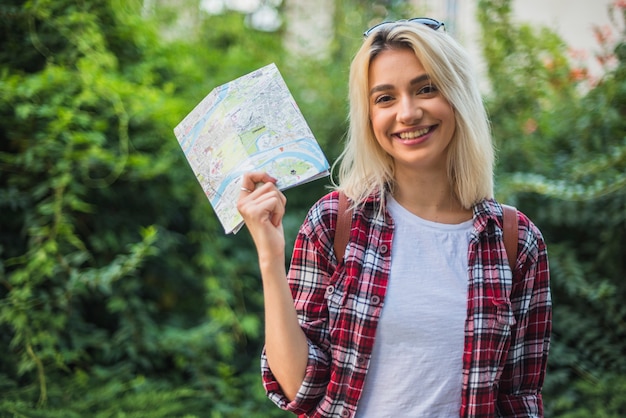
<point x="373" y="28"/>
<point x="431" y="23"/>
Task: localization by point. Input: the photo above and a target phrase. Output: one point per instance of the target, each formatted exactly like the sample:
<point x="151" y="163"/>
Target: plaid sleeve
<point x="312" y="265"/>
<point x="519" y="393"/>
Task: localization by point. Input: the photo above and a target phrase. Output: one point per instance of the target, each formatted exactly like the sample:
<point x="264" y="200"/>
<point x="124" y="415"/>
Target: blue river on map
<point x="314" y="156"/>
<point x="190" y="139"/>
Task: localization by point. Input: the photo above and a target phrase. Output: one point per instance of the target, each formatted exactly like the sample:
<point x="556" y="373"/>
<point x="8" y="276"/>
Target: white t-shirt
<point x="416" y="369"/>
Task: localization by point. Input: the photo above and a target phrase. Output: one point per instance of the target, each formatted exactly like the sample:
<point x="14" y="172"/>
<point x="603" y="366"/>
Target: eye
<point x="383" y="98"/>
<point x="428" y="90"/>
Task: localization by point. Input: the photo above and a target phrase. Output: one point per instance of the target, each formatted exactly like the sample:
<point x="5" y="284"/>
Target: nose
<point x="409" y="110"/>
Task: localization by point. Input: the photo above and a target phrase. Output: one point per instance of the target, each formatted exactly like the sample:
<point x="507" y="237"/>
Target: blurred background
<point x="120" y="295"/>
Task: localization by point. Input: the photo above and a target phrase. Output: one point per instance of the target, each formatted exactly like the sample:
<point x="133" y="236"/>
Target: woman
<point x="423" y="316"/>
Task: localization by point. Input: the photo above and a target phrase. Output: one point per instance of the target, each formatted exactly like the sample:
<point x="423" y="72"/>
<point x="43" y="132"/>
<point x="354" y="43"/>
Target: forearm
<point x="262" y="206"/>
<point x="285" y="343"/>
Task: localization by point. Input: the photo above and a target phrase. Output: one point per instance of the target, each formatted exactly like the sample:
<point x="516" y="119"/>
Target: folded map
<point x="249" y="124"/>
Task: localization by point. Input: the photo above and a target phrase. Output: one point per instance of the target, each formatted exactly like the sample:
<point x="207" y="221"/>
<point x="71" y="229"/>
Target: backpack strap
<point x="510" y="235"/>
<point x="342" y="229"/>
<point x="344" y="223"/>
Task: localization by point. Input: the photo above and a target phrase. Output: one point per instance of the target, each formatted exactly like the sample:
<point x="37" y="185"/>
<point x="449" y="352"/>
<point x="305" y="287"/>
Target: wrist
<point x="272" y="264"/>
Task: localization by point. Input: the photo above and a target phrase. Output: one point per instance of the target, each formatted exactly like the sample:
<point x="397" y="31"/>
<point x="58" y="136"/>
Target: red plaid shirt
<point x="507" y="330"/>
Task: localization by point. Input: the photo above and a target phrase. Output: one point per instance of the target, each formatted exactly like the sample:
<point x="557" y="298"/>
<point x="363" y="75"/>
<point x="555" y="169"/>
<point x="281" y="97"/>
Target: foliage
<point x="562" y="140"/>
<point x="119" y="293"/>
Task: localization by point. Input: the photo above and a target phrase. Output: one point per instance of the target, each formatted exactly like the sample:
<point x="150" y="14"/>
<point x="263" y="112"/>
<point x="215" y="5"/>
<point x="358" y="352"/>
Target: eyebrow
<point x="384" y="87"/>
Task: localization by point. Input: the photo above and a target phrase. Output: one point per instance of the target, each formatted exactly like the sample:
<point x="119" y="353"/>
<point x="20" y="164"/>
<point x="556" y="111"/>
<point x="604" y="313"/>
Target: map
<point x="249" y="124"/>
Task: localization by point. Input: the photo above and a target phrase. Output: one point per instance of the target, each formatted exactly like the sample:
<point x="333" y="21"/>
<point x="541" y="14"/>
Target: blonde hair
<point x="365" y="168"/>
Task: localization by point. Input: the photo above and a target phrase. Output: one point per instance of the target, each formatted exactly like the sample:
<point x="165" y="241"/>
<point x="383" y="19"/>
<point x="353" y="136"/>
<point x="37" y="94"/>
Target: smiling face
<point x="410" y="118"/>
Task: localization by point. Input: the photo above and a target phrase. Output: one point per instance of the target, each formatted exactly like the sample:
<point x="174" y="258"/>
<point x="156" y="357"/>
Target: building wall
<point x="572" y="20"/>
<point x="309" y="27"/>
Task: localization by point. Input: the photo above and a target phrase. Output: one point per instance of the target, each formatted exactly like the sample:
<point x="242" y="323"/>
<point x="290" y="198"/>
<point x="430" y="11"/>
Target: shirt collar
<point x="485" y="211"/>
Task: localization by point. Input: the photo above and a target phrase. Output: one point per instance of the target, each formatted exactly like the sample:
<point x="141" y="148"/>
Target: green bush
<point x="562" y="141"/>
<point x="120" y="295"/>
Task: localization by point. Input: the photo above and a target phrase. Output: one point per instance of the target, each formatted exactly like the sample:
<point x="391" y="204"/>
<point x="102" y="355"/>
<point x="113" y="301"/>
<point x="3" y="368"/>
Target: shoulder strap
<point x="342" y="229"/>
<point x="509" y="230"/>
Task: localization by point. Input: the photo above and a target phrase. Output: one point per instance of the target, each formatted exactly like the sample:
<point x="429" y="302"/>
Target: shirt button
<point x="330" y="290"/>
<point x="384" y="249"/>
<point x="375" y="300"/>
<point x="360" y="360"/>
<point x="345" y="413"/>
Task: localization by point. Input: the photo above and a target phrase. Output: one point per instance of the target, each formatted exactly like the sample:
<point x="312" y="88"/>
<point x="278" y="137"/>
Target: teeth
<point x="414" y="134"/>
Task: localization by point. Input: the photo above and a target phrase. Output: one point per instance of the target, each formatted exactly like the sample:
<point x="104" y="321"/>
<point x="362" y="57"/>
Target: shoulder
<point x="488" y="215"/>
<point x="321" y="219"/>
<point x="324" y="211"/>
<point x="530" y="242"/>
<point x="491" y="211"/>
<point x="327" y="206"/>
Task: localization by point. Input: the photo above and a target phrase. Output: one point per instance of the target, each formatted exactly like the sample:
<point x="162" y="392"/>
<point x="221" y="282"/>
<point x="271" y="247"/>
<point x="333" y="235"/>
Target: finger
<point x="266" y="202"/>
<point x="249" y="181"/>
<point x="252" y="180"/>
<point x="255" y="192"/>
<point x="270" y="190"/>
<point x="267" y="194"/>
<point x="273" y="202"/>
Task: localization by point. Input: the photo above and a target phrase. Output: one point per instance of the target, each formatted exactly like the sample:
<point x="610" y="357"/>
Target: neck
<point x="430" y="197"/>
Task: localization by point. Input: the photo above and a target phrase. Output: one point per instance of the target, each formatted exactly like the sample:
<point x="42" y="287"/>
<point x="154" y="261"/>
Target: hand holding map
<point x="249" y="124"/>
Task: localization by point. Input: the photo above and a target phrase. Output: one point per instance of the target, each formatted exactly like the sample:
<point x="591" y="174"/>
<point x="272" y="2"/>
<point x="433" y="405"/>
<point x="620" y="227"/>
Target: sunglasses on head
<point x="431" y="23"/>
